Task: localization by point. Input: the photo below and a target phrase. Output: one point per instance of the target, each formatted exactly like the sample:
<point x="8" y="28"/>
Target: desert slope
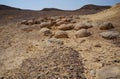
<point x="111" y="14"/>
<point x="62" y="47"/>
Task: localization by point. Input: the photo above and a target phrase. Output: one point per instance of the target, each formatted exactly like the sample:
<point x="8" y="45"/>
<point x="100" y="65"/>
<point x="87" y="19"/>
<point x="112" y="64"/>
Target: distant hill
<point x="86" y="7"/>
<point x="4" y="7"/>
<point x="51" y="9"/>
<point x="94" y="7"/>
<point x="12" y="14"/>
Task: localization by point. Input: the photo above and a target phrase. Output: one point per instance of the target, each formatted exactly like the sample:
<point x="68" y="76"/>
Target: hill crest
<point x="5" y="7"/>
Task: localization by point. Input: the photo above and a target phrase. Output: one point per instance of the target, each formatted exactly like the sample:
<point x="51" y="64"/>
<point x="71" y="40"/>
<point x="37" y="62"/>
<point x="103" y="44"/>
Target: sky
<point x="61" y="4"/>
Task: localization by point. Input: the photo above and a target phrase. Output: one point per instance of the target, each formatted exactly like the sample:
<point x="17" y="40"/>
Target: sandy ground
<point x="17" y="45"/>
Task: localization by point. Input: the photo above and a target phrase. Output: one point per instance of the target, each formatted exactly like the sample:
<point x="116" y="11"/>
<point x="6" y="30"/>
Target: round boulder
<point x="69" y="19"/>
<point x="65" y="27"/>
<point x="61" y="34"/>
<point x="24" y="22"/>
<point x="110" y="34"/>
<point x="30" y="22"/>
<point x="106" y="26"/>
<point x="37" y="21"/>
<point x="59" y="22"/>
<point x="108" y="72"/>
<point x="45" y="24"/>
<point x="45" y="31"/>
<point x="82" y="33"/>
<point x="79" y="26"/>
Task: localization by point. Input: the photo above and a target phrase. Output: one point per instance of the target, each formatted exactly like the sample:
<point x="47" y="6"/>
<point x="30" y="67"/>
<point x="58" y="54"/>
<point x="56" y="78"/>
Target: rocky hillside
<point x="62" y="47"/>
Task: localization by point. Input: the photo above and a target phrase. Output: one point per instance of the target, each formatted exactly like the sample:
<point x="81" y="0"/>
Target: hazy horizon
<point x="60" y="4"/>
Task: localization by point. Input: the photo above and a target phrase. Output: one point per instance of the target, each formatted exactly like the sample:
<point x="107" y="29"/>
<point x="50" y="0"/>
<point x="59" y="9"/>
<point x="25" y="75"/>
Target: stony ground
<point x="61" y="47"/>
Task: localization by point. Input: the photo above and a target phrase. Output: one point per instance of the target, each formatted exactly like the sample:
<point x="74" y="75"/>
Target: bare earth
<point x="28" y="52"/>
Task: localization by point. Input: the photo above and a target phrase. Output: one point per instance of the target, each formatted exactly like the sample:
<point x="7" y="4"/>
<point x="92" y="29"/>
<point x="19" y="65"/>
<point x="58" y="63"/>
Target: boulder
<point x="53" y="18"/>
<point x="59" y="22"/>
<point x="55" y="41"/>
<point x="82" y="33"/>
<point x="45" y="31"/>
<point x="45" y="24"/>
<point x="106" y="26"/>
<point x="30" y="22"/>
<point x="110" y="34"/>
<point x="65" y="27"/>
<point x="79" y="26"/>
<point x="37" y="21"/>
<point x="24" y="22"/>
<point x="61" y="34"/>
<point x="69" y="19"/>
<point x="73" y="21"/>
<point x="108" y="72"/>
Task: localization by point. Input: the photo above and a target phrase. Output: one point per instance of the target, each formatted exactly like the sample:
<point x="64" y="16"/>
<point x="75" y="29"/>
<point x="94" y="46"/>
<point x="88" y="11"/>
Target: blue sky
<point x="61" y="4"/>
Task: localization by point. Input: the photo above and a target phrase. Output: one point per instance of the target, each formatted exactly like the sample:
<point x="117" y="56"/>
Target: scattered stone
<point x="92" y="73"/>
<point x="55" y="41"/>
<point x="73" y="21"/>
<point x="24" y="22"/>
<point x="53" y="18"/>
<point x="69" y="19"/>
<point x="98" y="45"/>
<point x="30" y="22"/>
<point x="82" y="33"/>
<point x="45" y="31"/>
<point x="65" y="27"/>
<point x="110" y="34"/>
<point x="108" y="72"/>
<point x="45" y="24"/>
<point x="106" y="26"/>
<point x="59" y="22"/>
<point x="37" y="21"/>
<point x="79" y="26"/>
<point x="53" y="23"/>
<point x="61" y="34"/>
<point x="64" y="19"/>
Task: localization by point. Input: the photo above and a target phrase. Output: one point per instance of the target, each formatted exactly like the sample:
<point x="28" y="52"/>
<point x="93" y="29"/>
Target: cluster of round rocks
<point x="64" y="23"/>
<point x="108" y="34"/>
